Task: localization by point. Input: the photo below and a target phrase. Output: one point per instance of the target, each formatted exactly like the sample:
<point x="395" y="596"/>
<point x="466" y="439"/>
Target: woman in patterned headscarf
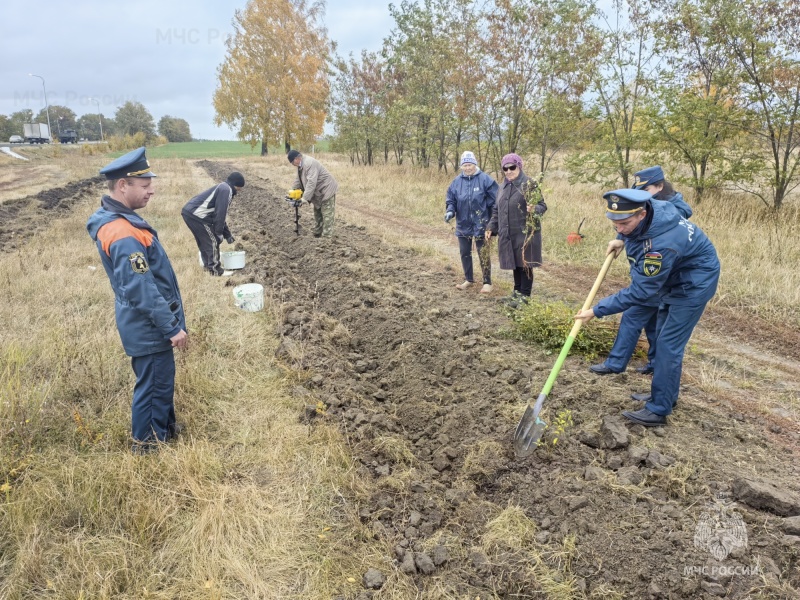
<point x="516" y="221"/>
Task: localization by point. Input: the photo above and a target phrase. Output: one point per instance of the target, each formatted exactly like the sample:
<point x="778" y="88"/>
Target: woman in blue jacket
<point x="642" y="316"/>
<point x="470" y="199"/>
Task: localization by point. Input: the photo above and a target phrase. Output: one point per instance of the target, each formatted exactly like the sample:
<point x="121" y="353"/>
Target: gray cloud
<point x="162" y="54"/>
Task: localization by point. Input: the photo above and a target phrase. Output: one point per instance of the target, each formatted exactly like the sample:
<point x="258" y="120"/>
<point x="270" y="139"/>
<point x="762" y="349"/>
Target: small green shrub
<point x="548" y="324"/>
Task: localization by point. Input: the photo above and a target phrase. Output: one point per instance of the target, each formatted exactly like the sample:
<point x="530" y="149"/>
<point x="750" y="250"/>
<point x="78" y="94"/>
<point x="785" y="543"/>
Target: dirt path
<point x="429" y="390"/>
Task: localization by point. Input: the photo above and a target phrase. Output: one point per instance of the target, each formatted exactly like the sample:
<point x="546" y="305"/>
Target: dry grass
<point x="249" y="504"/>
<point x="47" y="167"/>
<point x="549" y="569"/>
<point x="756" y="247"/>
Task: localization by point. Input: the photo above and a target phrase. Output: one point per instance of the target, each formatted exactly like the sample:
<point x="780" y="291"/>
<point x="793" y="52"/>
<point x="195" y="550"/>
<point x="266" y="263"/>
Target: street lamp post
<point x="99" y="116"/>
<point x="46" y="104"/>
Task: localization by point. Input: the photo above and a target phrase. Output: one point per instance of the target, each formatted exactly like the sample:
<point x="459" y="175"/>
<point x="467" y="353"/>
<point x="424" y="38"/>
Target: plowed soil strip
<point x="428" y="390"/>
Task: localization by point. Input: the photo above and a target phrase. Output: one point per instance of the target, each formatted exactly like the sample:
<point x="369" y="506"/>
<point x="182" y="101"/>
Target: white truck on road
<point x="36" y="133"/>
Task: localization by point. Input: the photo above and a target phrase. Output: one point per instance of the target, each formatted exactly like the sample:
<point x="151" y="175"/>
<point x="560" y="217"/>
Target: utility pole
<point x="99" y="116"/>
<point x="46" y="104"/>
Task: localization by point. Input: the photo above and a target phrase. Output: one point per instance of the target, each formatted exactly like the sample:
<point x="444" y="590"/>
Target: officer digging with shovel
<point x="672" y="261"/>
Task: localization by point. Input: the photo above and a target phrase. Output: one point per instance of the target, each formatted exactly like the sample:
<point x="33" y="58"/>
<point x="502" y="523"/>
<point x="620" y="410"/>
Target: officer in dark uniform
<point x="643" y="316"/>
<point x="672" y="262"/>
<point x="148" y="306"/>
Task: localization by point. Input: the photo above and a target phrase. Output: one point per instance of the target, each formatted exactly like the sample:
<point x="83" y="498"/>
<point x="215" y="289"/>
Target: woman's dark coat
<point x="519" y="232"/>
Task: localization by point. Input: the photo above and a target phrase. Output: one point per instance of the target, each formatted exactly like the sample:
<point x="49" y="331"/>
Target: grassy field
<point x="243" y="507"/>
<point x="212" y="149"/>
<point x="251" y="503"/>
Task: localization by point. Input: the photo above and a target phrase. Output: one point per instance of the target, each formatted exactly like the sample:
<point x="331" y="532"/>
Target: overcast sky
<point x="162" y="53"/>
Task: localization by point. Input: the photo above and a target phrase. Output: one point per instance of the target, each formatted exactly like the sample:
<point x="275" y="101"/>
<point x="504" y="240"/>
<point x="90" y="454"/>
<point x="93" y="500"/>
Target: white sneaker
<point x="463" y="286"/>
<point x="227" y="273"/>
<point x="487" y="287"/>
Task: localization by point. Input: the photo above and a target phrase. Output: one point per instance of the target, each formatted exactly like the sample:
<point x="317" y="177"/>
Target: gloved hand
<point x="294" y="194"/>
<point x="449" y="215"/>
<point x="230" y="239"/>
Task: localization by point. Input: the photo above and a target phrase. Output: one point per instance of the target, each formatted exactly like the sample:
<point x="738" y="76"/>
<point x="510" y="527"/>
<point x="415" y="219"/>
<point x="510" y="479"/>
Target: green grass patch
<point x="216" y="149"/>
<point x="548" y="324"/>
<point x="208" y="149"/>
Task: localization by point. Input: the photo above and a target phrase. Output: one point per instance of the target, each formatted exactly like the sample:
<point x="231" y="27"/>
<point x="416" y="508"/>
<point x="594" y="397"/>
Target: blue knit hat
<point x="468" y="158"/>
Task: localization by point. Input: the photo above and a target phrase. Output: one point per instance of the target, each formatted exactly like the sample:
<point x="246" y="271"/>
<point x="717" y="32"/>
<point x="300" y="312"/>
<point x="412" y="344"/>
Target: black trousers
<point x="523" y="281"/>
<point x="465" y="248"/>
<point x="207" y="243"/>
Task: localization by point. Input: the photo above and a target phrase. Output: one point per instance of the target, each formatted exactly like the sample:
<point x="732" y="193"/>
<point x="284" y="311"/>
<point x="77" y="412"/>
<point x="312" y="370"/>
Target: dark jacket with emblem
<point x="471" y="198"/>
<point x="519" y="233"/>
<point x="211" y="207"/>
<point x="672" y="262"/>
<point x="148" y="305"/>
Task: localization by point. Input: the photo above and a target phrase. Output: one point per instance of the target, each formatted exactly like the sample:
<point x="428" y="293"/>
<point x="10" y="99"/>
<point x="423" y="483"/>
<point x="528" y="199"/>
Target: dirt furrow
<point x="428" y="389"/>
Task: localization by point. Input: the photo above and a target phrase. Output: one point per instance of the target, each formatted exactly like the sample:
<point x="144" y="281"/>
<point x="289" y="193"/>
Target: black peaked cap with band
<point x="132" y="164"/>
<point x="625" y="202"/>
<point x="648" y="176"/>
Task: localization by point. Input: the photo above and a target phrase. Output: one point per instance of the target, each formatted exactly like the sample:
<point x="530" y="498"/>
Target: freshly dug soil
<point x="428" y="389"/>
<point x="21" y="219"/>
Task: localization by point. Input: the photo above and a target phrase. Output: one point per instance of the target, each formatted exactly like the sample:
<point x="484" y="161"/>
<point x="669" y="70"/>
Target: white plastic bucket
<point x="249" y="297"/>
<point x="200" y="256"/>
<point x="233" y="260"/>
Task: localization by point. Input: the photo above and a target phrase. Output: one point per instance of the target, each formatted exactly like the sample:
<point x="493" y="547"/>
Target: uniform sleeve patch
<point x="652" y="264"/>
<point x="138" y="263"/>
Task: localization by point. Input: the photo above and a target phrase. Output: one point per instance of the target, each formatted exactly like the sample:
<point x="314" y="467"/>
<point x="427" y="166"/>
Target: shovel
<point x="531" y="428"/>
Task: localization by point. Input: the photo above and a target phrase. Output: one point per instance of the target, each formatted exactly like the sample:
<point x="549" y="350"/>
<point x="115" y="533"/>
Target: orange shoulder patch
<point x="119" y="229"/>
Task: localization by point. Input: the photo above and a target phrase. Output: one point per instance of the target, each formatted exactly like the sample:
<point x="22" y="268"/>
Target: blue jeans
<point x="633" y="321"/>
<point x="153" y="408"/>
<point x="674" y="328"/>
<point x="465" y="248"/>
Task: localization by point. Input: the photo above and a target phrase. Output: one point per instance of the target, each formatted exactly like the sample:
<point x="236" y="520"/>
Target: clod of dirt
<point x="440" y="555"/>
<point x="615" y="462"/>
<point x="629" y="476"/>
<point x="578" y="502"/>
<point x="374" y="579"/>
<point x="791" y="526"/>
<point x="407" y="565"/>
<point x="593" y="473"/>
<point x="714" y="589"/>
<point x="656" y="460"/>
<point x="613" y="433"/>
<point x="765" y="495"/>
<point x="637" y="455"/>
<point x="424" y="563"/>
<point x="589" y="438"/>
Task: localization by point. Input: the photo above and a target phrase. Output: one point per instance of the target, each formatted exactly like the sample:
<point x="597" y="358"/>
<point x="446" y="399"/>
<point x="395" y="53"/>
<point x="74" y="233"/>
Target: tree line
<point x="129" y="119"/>
<point x="710" y="88"/>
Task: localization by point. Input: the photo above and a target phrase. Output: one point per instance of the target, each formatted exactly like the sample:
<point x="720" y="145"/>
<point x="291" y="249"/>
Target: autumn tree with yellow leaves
<point x="273" y="85"/>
